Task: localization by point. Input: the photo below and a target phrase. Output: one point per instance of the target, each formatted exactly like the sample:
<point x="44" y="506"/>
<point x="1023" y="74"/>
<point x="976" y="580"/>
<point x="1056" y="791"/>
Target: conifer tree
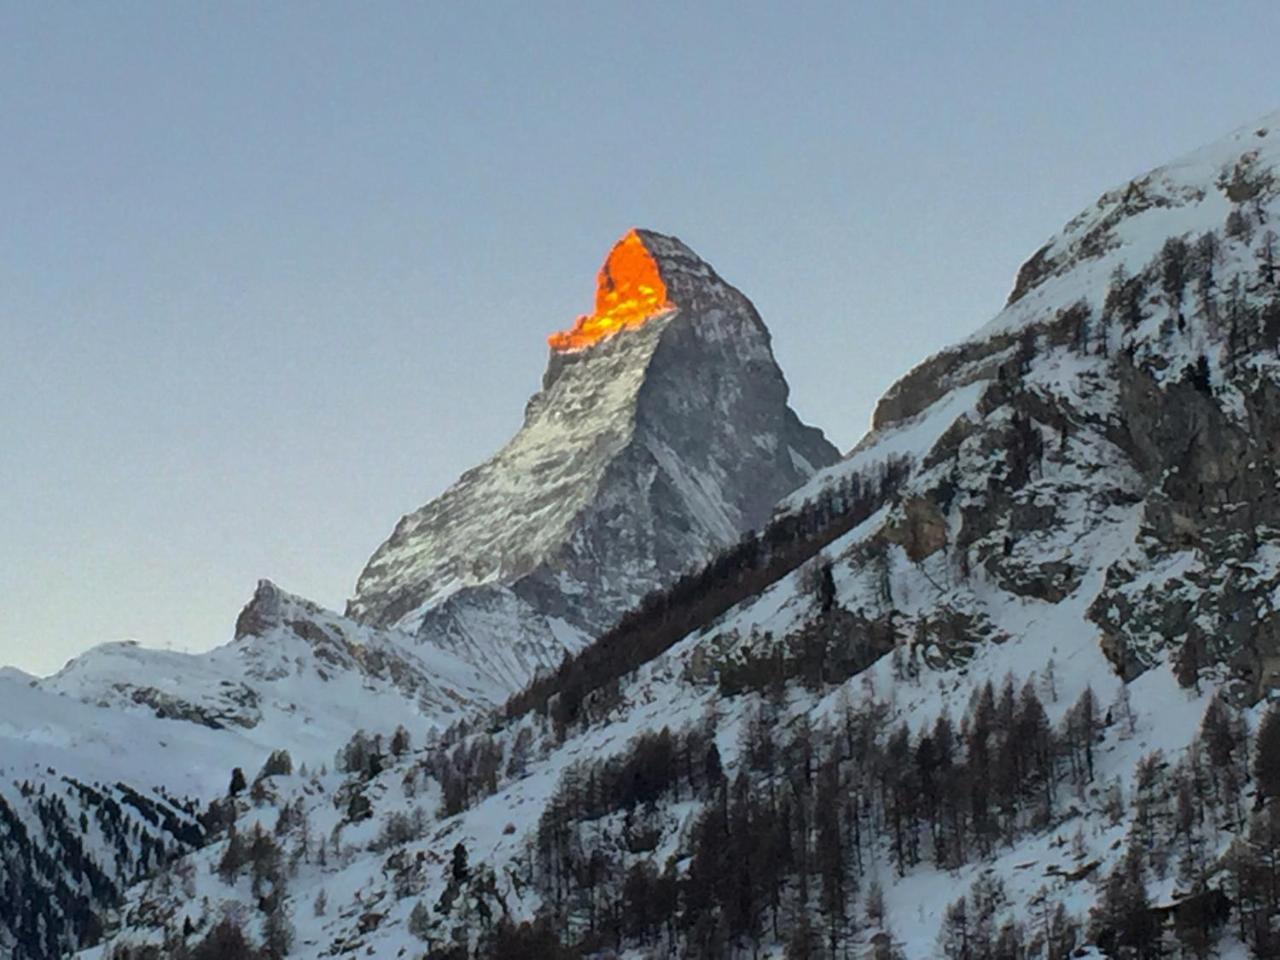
<point x="1266" y="754"/>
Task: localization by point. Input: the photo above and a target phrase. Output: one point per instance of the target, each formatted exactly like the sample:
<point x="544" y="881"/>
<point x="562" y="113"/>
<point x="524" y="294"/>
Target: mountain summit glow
<point x="629" y="291"/>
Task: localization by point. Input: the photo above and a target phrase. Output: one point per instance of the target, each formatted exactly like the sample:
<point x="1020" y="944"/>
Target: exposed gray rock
<point x="237" y="706"/>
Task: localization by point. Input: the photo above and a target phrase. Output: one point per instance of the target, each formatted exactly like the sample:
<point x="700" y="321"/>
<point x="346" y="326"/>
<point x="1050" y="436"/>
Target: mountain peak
<point x="660" y="434"/>
<point x="642" y="278"/>
<point x="629" y="290"/>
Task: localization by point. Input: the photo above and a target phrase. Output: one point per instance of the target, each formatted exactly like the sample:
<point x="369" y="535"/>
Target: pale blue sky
<point x="273" y="274"/>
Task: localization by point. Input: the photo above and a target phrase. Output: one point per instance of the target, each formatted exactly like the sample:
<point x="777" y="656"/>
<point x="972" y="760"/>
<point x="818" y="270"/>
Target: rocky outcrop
<point x="921" y="531"/>
<point x="337" y="647"/>
<point x="237" y="706"/>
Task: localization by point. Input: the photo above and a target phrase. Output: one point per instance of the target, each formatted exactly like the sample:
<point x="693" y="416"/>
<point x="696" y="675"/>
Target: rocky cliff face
<point x="654" y="442"/>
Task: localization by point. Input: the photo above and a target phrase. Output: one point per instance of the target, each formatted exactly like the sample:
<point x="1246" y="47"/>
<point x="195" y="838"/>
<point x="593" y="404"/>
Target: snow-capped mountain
<point x="994" y="685"/>
<point x="661" y="435"/>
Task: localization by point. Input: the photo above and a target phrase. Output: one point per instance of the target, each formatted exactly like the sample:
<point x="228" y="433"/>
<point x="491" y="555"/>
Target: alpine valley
<point x="669" y="677"/>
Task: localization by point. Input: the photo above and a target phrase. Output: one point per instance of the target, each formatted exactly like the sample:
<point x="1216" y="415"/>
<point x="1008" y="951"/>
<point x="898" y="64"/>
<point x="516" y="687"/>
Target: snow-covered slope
<point x="645" y="452"/>
<point x="1021" y="674"/>
<point x="296" y="677"/>
<point x="139" y="740"/>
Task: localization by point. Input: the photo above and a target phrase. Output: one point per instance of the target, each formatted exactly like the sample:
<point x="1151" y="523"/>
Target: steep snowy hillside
<point x="661" y="434"/>
<point x="73" y="835"/>
<point x="996" y="685"/>
<point x="105" y="765"/>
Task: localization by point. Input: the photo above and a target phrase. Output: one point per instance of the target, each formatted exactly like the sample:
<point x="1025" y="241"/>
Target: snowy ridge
<point x="1124" y="231"/>
<point x="1129" y="224"/>
<point x="296" y="677"/>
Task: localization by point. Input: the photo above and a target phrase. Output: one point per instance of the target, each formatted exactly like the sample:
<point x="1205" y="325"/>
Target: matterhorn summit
<point x="661" y="434"/>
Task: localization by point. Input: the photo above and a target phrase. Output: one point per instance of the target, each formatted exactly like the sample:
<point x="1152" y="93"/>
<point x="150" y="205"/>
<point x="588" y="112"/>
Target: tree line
<point x="697" y="598"/>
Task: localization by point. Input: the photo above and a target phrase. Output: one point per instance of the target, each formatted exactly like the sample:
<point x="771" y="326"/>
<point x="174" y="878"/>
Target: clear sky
<point x="272" y="275"/>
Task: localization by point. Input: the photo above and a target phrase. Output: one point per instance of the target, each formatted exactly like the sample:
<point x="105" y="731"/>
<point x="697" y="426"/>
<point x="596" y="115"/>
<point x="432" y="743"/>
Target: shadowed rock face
<point x="645" y="452"/>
